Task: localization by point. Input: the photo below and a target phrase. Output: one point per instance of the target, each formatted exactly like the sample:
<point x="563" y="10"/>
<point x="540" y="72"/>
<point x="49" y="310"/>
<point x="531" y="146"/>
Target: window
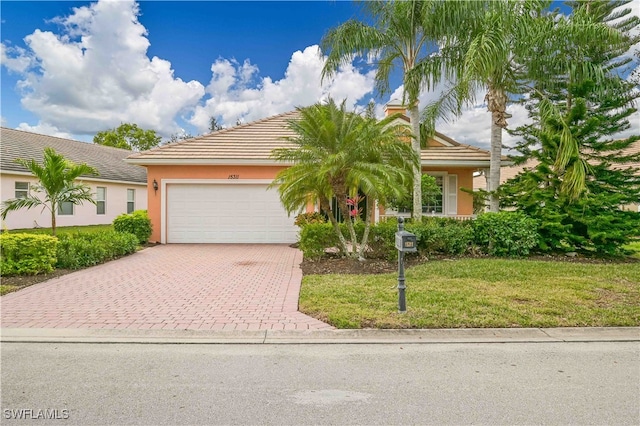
<point x="131" y="200"/>
<point x="22" y="189"/>
<point x="101" y="200"/>
<point x="65" y="208"/>
<point x="435" y="206"/>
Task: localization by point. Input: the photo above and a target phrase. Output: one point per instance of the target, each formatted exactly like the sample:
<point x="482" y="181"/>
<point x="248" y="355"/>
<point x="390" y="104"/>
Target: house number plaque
<point x="234" y="176"/>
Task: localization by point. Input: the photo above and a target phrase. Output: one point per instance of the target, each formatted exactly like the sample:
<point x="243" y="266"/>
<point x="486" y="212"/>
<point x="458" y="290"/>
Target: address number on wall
<point x="234" y="176"/>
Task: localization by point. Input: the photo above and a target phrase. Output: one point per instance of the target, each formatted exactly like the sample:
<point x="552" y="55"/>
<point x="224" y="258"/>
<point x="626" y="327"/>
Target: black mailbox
<point x="406" y="241"/>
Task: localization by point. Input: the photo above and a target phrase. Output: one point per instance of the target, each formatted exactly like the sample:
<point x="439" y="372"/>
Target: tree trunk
<point x="414" y="115"/>
<point x="367" y="226"/>
<point x="346" y="215"/>
<point x="53" y="221"/>
<point x="336" y="227"/>
<point x="497" y="105"/>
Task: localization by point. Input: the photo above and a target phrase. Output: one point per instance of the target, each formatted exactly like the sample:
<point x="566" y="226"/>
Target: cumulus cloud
<point x="96" y="74"/>
<point x="237" y="92"/>
<point x="45" y="129"/>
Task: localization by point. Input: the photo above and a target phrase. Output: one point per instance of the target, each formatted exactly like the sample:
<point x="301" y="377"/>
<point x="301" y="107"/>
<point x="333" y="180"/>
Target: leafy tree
<point x="402" y="33"/>
<point x="56" y="179"/>
<point x="512" y="44"/>
<point x="340" y="153"/>
<point x="594" y="154"/>
<point x="128" y="136"/>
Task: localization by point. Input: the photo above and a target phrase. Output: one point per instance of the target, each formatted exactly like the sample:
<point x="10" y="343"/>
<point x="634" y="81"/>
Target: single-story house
<point x="119" y="187"/>
<point x="213" y="188"/>
<point x="510" y="171"/>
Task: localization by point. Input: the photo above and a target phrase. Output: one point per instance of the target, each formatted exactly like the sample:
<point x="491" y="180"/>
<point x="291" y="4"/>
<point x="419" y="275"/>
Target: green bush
<point x="315" y="237"/>
<point x="27" y="254"/>
<point x="506" y="233"/>
<point x="136" y="223"/>
<point x="308" y="218"/>
<point x="91" y="248"/>
<point x="438" y="235"/>
<point x="382" y="240"/>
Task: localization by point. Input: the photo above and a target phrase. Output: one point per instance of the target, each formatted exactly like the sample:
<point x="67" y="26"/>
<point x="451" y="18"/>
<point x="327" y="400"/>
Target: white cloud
<point x="96" y="74"/>
<point x="45" y="129"/>
<point x="237" y="92"/>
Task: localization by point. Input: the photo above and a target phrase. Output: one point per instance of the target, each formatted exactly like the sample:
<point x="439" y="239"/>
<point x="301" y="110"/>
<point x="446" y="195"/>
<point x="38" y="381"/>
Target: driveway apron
<point x="174" y="286"/>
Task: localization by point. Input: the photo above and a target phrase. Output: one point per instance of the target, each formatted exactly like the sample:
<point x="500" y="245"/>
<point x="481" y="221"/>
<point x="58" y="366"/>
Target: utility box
<point x="406" y="242"/>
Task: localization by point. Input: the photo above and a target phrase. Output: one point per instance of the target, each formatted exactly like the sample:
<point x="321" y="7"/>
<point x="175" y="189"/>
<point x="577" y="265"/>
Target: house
<point x="119" y="187"/>
<point x="511" y="171"/>
<point x="213" y="188"/>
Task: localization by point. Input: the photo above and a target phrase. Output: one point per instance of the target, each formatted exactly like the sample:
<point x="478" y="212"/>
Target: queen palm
<point x="340" y="153"/>
<point x="57" y="181"/>
<point x="402" y="33"/>
<point x="511" y="47"/>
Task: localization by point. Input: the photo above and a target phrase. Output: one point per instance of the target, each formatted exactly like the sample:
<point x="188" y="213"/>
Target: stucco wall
<point x="85" y="214"/>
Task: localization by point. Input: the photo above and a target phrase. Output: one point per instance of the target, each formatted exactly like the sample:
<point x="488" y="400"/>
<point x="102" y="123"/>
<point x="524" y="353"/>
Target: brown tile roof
<point x="252" y="143"/>
<point x="109" y="161"/>
<point x="509" y="172"/>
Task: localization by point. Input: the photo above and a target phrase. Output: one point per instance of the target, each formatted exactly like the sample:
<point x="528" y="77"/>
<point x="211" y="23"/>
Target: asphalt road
<point x="591" y="383"/>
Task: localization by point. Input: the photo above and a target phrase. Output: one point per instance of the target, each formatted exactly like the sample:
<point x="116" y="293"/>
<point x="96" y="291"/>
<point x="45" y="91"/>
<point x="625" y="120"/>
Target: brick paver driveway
<point x="176" y="286"/>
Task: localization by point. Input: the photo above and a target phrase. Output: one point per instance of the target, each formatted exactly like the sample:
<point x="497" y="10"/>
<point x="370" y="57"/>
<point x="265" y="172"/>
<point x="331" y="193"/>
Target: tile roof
<point x="109" y="161"/>
<point x="253" y="143"/>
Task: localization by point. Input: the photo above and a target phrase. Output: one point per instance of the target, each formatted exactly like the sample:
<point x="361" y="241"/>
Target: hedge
<point x="80" y="250"/>
<point x="506" y="233"/>
<point x="136" y="223"/>
<point x="27" y="254"/>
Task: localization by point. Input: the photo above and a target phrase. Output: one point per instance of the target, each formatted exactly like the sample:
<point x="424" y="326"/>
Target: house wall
<point x="159" y="172"/>
<point x="85" y="214"/>
<point x="465" y="180"/>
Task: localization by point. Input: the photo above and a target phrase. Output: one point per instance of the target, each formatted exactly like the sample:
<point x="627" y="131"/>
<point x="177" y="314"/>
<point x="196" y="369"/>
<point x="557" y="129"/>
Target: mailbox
<point x="406" y="241"/>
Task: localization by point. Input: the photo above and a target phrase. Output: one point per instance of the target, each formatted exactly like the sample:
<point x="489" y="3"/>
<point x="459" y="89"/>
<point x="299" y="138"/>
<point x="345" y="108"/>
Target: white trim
<point x="81" y="178"/>
<point x="205" y="162"/>
<point x="163" y="192"/>
<point x="442" y="141"/>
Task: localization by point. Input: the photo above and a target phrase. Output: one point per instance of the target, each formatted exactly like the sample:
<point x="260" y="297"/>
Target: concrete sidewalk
<point x="368" y="336"/>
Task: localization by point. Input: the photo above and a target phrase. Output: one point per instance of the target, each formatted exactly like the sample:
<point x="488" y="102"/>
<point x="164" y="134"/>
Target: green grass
<point x="62" y="229"/>
<point x="481" y="293"/>
<point x="4" y="289"/>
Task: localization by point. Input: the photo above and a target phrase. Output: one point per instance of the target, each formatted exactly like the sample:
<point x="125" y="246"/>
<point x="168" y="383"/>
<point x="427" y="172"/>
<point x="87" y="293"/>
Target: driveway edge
<point x="367" y="336"/>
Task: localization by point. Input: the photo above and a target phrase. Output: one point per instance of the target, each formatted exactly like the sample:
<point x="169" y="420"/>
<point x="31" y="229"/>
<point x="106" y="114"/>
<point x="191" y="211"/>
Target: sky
<point x="71" y="69"/>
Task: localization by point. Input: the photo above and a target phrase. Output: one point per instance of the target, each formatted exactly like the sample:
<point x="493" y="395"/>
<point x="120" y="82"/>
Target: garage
<point x="233" y="212"/>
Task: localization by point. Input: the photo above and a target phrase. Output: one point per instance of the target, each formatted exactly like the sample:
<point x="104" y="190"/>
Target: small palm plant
<point x="56" y="179"/>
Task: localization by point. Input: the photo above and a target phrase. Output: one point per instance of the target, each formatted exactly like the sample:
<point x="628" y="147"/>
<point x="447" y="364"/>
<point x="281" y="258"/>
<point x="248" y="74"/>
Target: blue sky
<point x="72" y="69"/>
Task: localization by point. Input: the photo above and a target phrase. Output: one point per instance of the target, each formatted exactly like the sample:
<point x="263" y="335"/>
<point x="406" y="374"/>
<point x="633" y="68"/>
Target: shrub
<point x="315" y="237"/>
<point x="136" y="223"/>
<point x="438" y="235"/>
<point x="27" y="254"/>
<point x="506" y="233"/>
<point x="382" y="240"/>
<point x="80" y="250"/>
<point x="308" y="218"/>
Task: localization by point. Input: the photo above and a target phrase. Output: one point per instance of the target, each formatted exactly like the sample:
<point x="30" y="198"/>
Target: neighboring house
<point x="510" y="171"/>
<point x="119" y="187"/>
<point x="213" y="188"/>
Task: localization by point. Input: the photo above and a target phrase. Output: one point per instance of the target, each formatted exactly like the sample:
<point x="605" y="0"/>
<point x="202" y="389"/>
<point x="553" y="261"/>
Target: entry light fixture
<point x="155" y="185"/>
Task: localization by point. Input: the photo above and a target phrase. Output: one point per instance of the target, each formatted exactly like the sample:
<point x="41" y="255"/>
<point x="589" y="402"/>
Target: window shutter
<point x="452" y="194"/>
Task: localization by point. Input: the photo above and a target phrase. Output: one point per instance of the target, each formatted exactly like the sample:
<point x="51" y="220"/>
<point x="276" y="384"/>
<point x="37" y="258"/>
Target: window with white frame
<point x="131" y="200"/>
<point x="446" y="203"/>
<point x="436" y="204"/>
<point x="22" y="189"/>
<point x="65" y="208"/>
<point x="101" y="200"/>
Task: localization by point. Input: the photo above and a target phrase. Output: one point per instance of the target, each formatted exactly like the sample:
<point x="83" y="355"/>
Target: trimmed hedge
<point x="510" y="234"/>
<point x="80" y="250"/>
<point x="27" y="254"/>
<point x="136" y="223"/>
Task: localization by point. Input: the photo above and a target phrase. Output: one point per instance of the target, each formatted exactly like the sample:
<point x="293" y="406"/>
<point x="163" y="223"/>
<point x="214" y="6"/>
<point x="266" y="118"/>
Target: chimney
<point x="394" y="107"/>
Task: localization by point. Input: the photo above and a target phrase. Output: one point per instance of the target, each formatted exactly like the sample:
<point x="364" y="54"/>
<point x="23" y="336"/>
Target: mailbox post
<point x="405" y="242"/>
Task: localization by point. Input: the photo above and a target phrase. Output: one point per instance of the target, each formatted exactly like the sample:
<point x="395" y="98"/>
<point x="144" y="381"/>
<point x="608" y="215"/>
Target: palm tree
<point x="509" y="47"/>
<point x="340" y="153"/>
<point x="402" y="33"/>
<point x="56" y="179"/>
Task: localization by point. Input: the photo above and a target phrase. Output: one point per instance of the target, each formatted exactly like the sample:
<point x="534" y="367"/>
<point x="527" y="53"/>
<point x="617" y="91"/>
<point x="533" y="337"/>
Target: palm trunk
<point x="344" y="208"/>
<point x="53" y="221"/>
<point x="494" y="165"/>
<point x="414" y="115"/>
<point x="336" y="227"/>
<point x="367" y="228"/>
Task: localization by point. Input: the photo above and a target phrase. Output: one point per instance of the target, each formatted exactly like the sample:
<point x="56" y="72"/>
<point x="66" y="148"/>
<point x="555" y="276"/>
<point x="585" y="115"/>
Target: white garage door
<point x="227" y="213"/>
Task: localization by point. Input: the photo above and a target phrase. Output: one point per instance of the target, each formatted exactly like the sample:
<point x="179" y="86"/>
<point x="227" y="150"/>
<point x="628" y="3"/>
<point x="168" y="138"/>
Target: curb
<point x="366" y="336"/>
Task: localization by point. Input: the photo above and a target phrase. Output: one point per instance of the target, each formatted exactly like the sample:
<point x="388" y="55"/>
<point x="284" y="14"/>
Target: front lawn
<point x="481" y="293"/>
<point x="63" y="229"/>
<point x="635" y="247"/>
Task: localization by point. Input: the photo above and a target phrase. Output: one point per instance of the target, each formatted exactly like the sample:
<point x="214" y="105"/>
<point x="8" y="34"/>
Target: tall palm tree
<point x="509" y="48"/>
<point x="339" y="153"/>
<point x="402" y="33"/>
<point x="56" y="179"/>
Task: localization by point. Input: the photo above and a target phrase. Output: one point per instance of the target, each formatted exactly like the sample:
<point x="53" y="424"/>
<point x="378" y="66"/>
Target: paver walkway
<point x="176" y="286"/>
